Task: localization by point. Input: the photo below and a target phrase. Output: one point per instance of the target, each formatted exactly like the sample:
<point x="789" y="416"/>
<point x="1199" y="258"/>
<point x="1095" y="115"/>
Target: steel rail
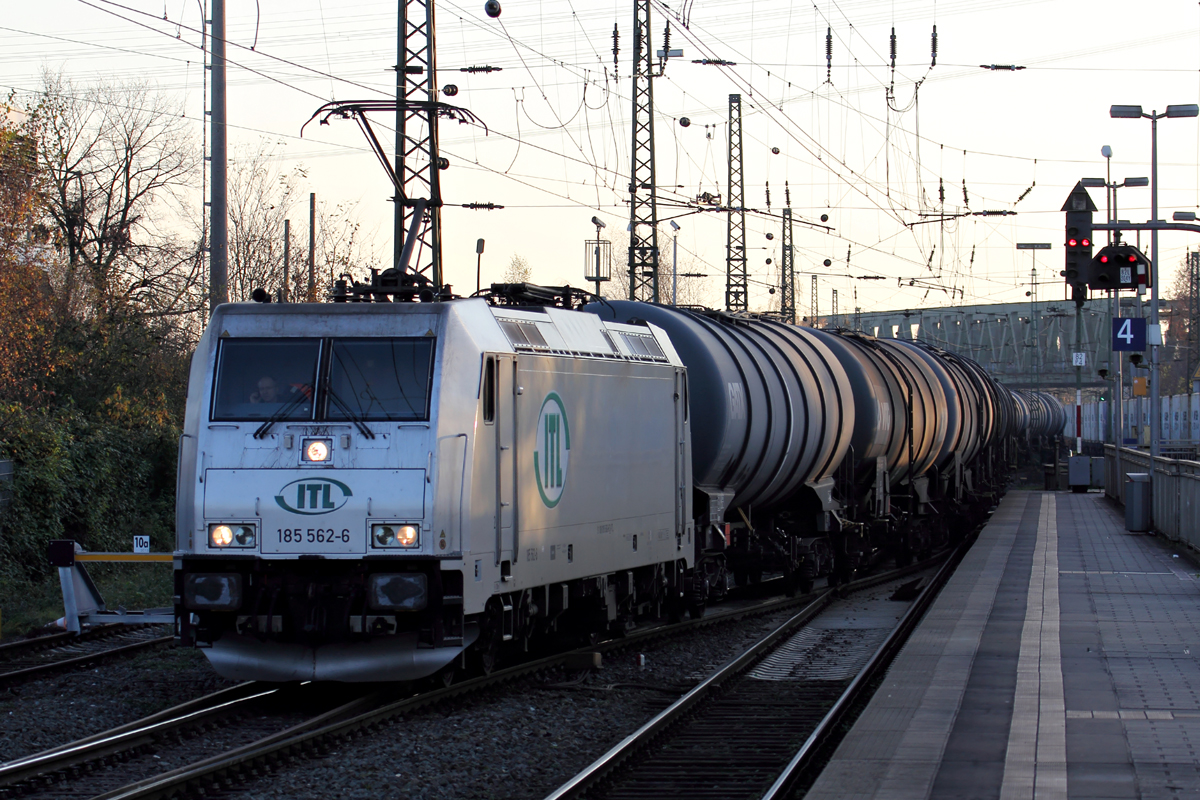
<point x="18" y="647"/>
<point x="130" y="736"/>
<point x="362" y="713"/>
<point x="803" y="761"/>
<point x="635" y="742"/>
<point x="337" y="725"/>
<point x="8" y="649"/>
<point x="7" y="678"/>
<point x="632" y="745"/>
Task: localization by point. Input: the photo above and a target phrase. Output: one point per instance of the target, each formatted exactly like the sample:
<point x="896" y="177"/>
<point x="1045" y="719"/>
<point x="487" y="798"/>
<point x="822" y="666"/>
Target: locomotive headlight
<point x="317" y="450"/>
<point x="394" y="535"/>
<point x="220" y="535"/>
<point x="223" y="534"/>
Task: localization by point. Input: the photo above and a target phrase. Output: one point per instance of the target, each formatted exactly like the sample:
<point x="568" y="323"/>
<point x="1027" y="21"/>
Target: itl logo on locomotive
<point x="313" y="496"/>
<point x="554" y="447"/>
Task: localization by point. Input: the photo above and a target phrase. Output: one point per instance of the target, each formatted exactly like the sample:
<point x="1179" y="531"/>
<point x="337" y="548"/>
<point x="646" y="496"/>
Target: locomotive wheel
<point x="483" y="655"/>
<point x="805" y="585"/>
<point x="444" y="677"/>
<point x="696" y="610"/>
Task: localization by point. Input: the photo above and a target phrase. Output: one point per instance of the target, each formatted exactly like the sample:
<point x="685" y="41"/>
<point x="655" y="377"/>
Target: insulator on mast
<point x="933" y="48"/>
<point x="829" y="55"/>
<point x="893" y="48"/>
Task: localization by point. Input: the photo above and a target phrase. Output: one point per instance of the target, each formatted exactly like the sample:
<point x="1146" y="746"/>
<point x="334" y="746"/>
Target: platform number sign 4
<point x="141" y="544"/>
<point x="1129" y="334"/>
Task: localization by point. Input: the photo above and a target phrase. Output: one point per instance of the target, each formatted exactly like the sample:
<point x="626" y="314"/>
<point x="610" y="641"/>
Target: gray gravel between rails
<point x="40" y="714"/>
<point x="522" y="743"/>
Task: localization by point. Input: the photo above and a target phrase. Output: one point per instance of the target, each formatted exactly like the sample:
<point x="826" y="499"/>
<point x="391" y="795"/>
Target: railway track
<point x="751" y="729"/>
<point x="28" y="659"/>
<point x="257" y="727"/>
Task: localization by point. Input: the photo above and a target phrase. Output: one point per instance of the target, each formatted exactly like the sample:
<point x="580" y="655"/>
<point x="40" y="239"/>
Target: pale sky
<point x="558" y="151"/>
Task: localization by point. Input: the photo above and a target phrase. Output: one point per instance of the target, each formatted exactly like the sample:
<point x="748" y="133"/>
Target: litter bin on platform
<point x="1137" y="501"/>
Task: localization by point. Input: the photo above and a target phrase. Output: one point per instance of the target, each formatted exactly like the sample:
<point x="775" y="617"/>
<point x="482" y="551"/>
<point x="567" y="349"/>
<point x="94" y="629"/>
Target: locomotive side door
<point x="506" y="462"/>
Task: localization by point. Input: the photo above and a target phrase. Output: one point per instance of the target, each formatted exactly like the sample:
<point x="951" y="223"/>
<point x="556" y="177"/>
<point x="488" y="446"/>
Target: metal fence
<point x="1175" y="489"/>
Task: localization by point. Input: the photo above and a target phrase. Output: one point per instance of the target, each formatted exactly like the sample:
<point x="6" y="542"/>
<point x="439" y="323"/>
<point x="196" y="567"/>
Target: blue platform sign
<point x="1129" y="334"/>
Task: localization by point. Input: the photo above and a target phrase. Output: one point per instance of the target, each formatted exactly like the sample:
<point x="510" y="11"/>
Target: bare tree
<point x="518" y="270"/>
<point x="117" y="161"/>
<point x="1180" y="356"/>
<point x="261" y="197"/>
<point x="343" y="247"/>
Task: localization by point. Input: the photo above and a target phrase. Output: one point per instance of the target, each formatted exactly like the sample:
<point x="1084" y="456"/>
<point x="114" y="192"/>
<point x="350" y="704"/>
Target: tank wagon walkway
<point x="1062" y="660"/>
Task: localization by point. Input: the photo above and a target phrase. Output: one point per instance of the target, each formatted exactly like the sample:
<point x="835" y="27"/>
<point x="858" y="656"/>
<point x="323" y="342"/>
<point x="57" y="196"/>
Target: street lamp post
<point x="1135" y="112"/>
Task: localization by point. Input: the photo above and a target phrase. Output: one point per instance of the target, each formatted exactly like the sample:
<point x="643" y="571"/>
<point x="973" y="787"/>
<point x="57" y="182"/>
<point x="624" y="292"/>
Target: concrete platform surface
<point x="1062" y="660"/>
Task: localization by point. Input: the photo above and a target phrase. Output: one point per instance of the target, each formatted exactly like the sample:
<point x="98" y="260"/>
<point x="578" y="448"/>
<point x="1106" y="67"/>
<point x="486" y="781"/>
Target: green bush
<point x="93" y="478"/>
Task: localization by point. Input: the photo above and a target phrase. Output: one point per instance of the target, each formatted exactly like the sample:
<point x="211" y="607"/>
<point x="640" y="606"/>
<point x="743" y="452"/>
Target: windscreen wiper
<point x="303" y="392"/>
<point x="350" y="415"/>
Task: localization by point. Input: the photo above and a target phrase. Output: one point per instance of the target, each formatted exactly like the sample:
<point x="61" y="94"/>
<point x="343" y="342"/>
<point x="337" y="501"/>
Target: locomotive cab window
<point x="379" y="379"/>
<point x="264" y="378"/>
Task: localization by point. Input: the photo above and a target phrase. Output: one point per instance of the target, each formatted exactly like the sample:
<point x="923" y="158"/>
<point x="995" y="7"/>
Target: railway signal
<point x="1079" y="208"/>
<point x="1119" y="266"/>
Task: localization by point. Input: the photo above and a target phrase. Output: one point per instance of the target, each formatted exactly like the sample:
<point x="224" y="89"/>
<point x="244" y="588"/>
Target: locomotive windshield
<point x="379" y="379"/>
<point x="263" y="378"/>
<point x="363" y="379"/>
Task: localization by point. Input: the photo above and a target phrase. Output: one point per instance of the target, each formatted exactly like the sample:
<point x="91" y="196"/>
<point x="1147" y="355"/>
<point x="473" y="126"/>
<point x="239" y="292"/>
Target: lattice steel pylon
<point x="736" y="279"/>
<point x="417" y="157"/>
<point x="814" y="310"/>
<point x="787" y="273"/>
<point x="643" y="205"/>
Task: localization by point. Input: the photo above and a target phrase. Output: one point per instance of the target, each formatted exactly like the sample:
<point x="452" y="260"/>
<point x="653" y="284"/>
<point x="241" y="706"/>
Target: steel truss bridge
<point x="1023" y="345"/>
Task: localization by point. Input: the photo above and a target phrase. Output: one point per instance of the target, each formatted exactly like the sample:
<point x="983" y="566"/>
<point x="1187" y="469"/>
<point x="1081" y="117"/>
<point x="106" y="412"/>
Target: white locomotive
<point x="367" y="490"/>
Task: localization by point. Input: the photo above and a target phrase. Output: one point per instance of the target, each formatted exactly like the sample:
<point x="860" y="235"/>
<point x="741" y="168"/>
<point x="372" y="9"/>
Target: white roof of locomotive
<point x="531" y="330"/>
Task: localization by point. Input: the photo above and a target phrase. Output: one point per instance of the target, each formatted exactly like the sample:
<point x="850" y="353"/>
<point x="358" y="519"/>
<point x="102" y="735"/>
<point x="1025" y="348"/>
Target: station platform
<point x="1062" y="660"/>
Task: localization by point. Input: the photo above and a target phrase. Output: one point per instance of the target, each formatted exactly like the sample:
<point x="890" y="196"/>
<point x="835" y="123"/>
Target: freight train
<point x="388" y="491"/>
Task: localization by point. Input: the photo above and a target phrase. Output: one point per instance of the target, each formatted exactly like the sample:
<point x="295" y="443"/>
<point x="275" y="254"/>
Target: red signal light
<point x="1132" y="258"/>
<point x="1086" y="242"/>
<point x="1072" y="243"/>
<point x="1103" y="259"/>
